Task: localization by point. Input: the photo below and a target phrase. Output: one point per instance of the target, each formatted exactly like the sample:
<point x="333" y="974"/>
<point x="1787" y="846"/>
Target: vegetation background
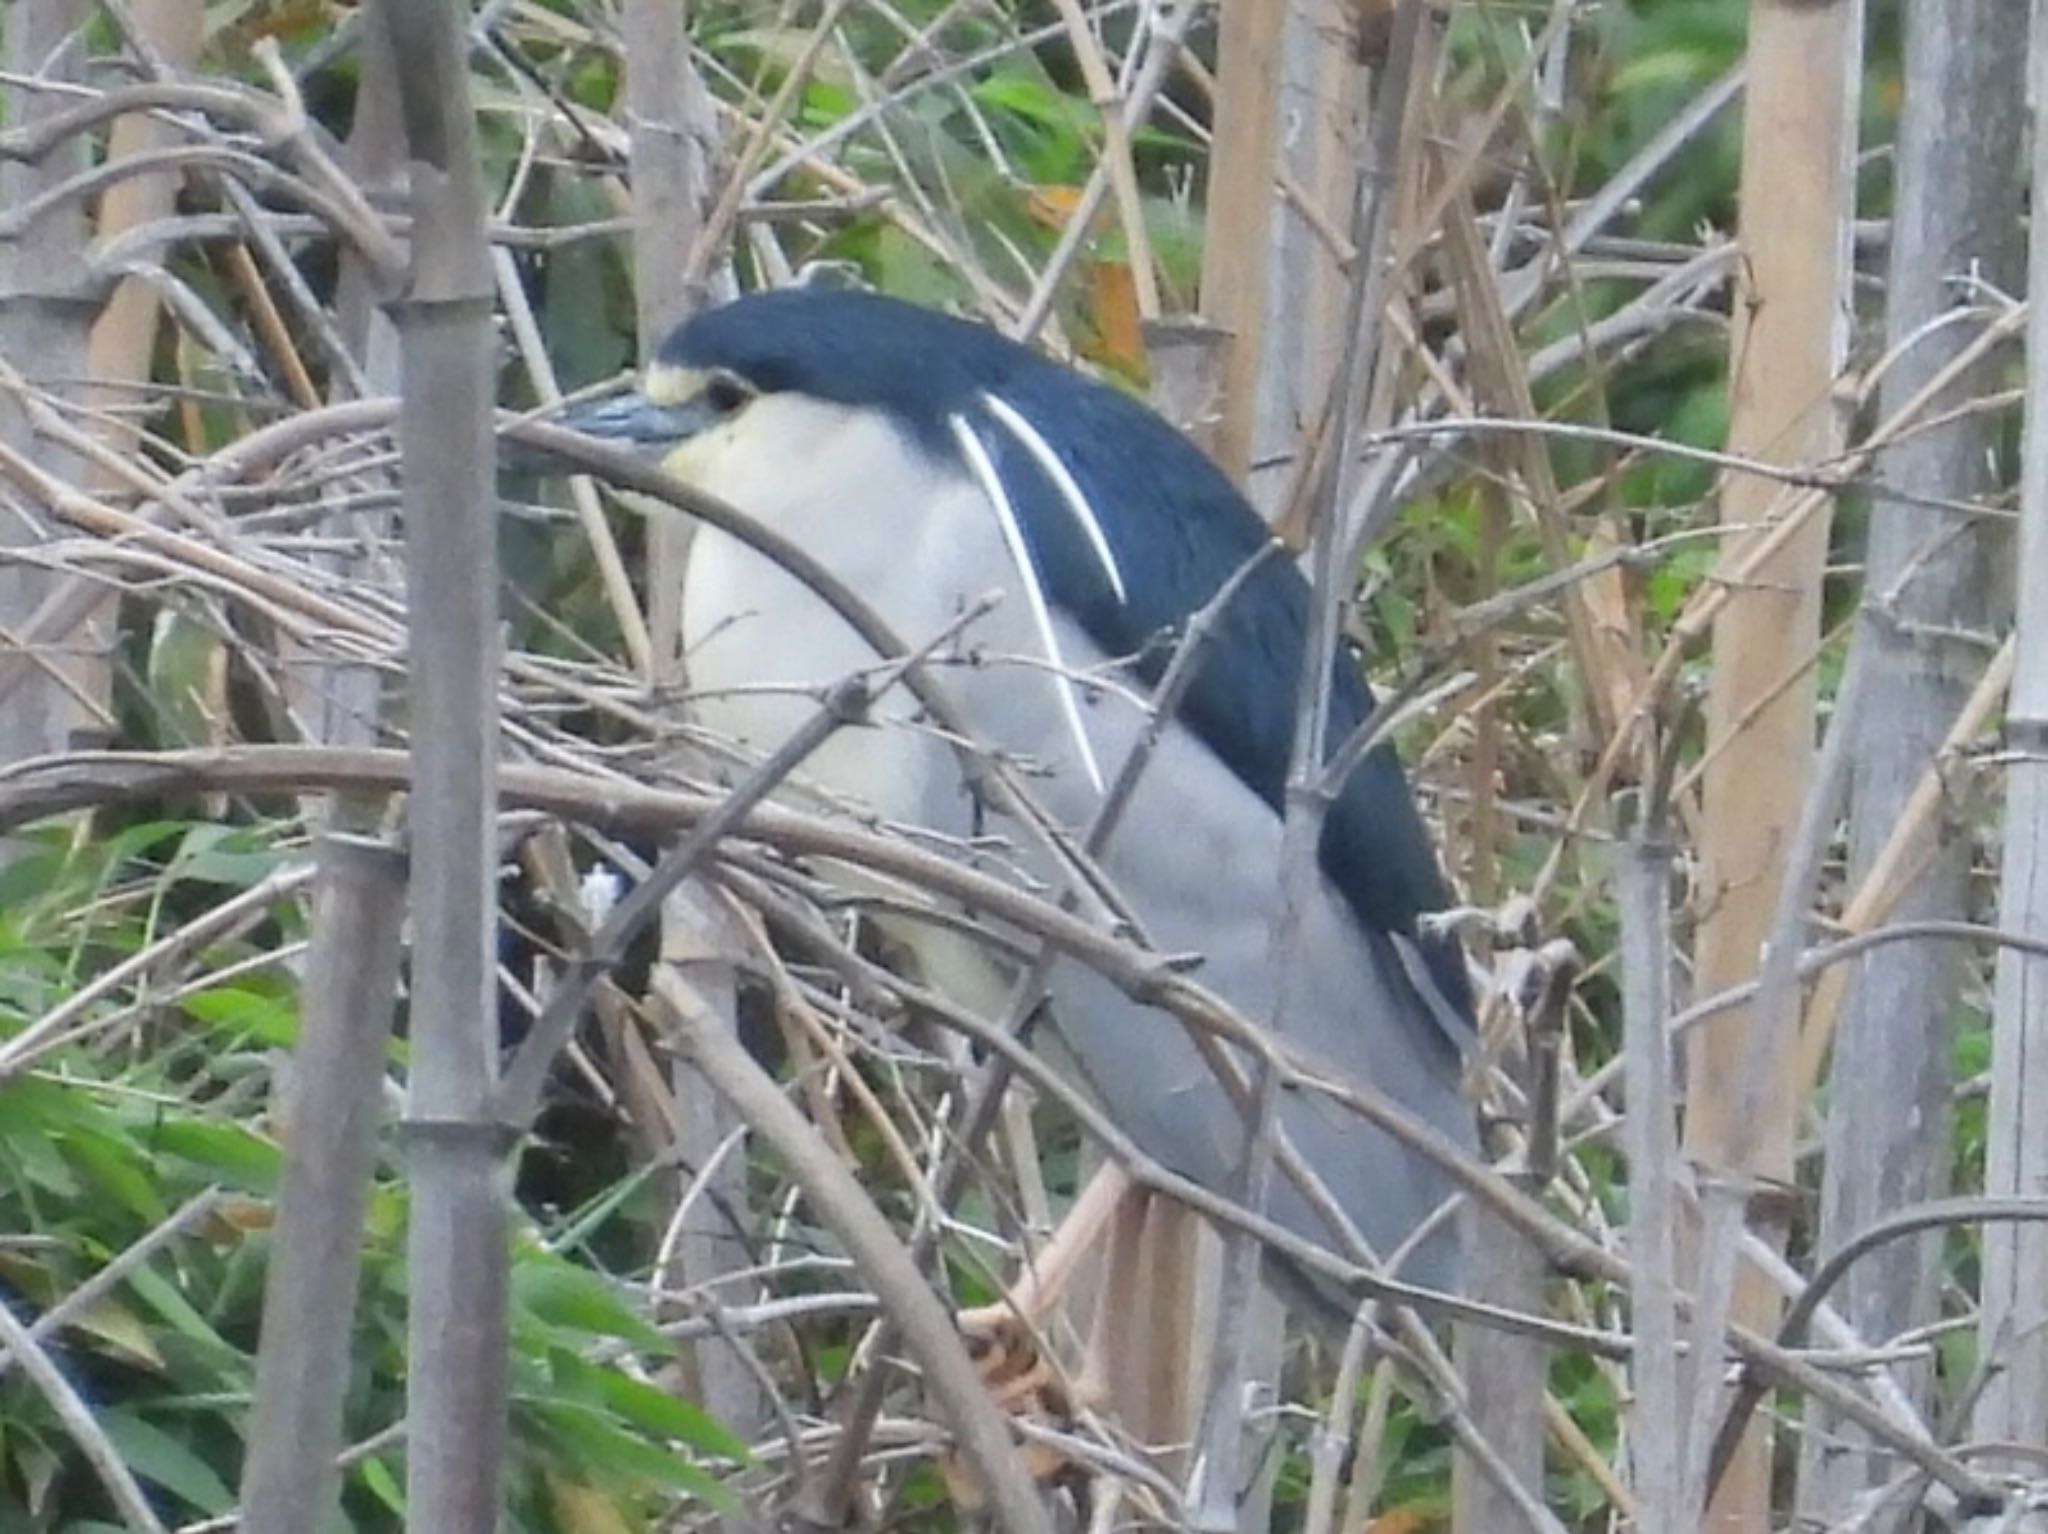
<point x="1671" y="352"/>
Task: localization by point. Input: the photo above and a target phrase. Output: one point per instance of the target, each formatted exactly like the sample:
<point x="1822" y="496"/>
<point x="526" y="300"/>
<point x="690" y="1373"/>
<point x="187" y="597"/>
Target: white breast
<point x="761" y="649"/>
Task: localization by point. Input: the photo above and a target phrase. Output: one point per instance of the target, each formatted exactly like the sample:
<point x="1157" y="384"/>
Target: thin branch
<point x="922" y="1321"/>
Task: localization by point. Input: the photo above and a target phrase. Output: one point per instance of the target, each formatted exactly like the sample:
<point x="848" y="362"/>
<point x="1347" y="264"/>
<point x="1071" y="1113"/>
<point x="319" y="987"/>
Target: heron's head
<point x="801" y="376"/>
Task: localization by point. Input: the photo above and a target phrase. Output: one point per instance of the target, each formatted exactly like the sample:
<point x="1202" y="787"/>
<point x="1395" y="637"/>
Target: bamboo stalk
<point x="2014" y="1326"/>
<point x="1238" y="226"/>
<point x="1797" y="198"/>
<point x="456" y="1255"/>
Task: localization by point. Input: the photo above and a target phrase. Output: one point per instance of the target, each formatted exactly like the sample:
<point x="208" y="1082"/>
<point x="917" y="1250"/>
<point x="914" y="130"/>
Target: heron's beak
<point x="630" y="420"/>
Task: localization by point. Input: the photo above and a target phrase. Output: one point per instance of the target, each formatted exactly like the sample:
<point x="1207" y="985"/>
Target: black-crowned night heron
<point x="928" y="462"/>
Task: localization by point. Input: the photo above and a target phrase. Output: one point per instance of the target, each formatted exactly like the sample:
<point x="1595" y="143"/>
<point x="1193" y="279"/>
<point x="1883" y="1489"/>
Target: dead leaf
<point x="1113" y="312"/>
<point x="120" y="1331"/>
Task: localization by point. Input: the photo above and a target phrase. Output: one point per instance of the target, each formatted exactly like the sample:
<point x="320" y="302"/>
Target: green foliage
<point x="104" y="1138"/>
<point x="1650" y="61"/>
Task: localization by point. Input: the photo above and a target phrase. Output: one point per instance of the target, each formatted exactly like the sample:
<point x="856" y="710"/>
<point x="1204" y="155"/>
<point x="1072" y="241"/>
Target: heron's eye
<point x="726" y="394"/>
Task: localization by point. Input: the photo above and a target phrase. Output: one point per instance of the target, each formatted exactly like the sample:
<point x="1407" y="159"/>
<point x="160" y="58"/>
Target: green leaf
<point x="115" y="1168"/>
<point x="183" y="658"/>
<point x="272" y="1021"/>
<point x="169" y="1302"/>
<point x="905" y="267"/>
<point x="230" y="855"/>
<point x="158" y="1457"/>
<point x="594" y="82"/>
<point x="826" y="102"/>
<point x="382" y="1483"/>
<point x="601" y="1448"/>
<point x="577" y="318"/>
<point x="1036" y="102"/>
<point x="649" y="1407"/>
<point x="1670" y="68"/>
<point x="27" y="1120"/>
<point x="30" y="875"/>
<point x="238" y="1155"/>
<point x="559" y="1294"/>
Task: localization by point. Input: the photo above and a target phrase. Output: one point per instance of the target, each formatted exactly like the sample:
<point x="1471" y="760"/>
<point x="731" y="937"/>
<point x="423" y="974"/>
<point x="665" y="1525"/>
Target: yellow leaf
<point x="963" y="1484"/>
<point x="109" y="1322"/>
<point x="121" y="1330"/>
<point x="1052" y="207"/>
<point x="1113" y="312"/>
<point x="584" y="1509"/>
<point x="29" y="1276"/>
<point x="1402" y="1520"/>
<point x="233" y="1218"/>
